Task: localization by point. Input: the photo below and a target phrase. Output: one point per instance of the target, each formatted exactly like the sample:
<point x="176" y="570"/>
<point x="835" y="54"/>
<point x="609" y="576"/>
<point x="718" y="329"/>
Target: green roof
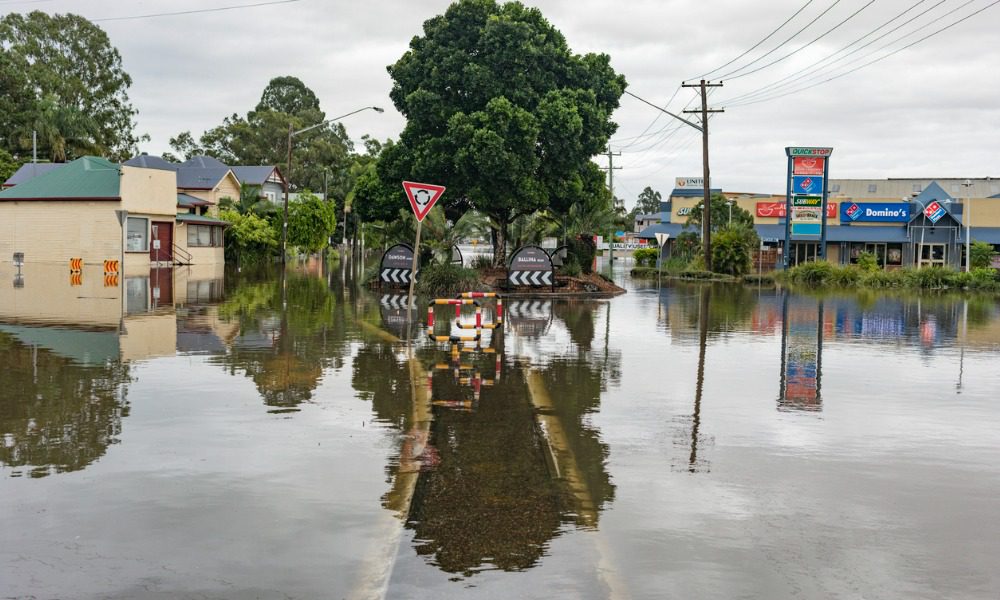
<point x="87" y="178"/>
<point x="188" y="201"/>
<point x="189" y="218"/>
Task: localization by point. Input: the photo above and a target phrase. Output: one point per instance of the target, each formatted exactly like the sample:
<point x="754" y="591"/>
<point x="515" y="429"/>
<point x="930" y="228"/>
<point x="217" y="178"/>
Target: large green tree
<point x="648" y="201"/>
<point x="60" y="73"/>
<point x="720" y="214"/>
<point x="501" y="111"/>
<point x="319" y="156"/>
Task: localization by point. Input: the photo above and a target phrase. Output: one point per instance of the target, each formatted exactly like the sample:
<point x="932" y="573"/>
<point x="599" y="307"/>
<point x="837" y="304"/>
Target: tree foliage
<point x="720" y="214"/>
<point x="648" y="201"/>
<point x="60" y="75"/>
<point x="261" y="138"/>
<point x="732" y="249"/>
<point x="311" y="222"/>
<point x="250" y="238"/>
<point x="981" y="254"/>
<point x="502" y="112"/>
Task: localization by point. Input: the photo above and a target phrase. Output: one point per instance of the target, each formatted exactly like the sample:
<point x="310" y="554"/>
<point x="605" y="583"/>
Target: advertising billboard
<point x="777" y="209"/>
<point x="807" y="165"/>
<point x="807" y="184"/>
<point x="874" y="212"/>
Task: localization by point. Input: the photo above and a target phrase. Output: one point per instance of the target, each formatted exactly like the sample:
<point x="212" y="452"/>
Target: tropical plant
<point x="70" y="83"/>
<point x="250" y="202"/>
<point x="733" y="248"/>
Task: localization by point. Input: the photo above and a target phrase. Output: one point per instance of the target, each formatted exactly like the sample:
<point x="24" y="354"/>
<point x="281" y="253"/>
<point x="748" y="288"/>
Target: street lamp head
<point x="967" y="183"/>
<point x="378" y="110"/>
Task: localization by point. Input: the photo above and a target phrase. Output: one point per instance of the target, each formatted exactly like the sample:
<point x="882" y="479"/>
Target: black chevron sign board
<point x="531" y="266"/>
<point x="396" y="266"/>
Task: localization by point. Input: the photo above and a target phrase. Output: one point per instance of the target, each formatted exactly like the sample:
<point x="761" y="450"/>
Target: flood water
<point x="258" y="436"/>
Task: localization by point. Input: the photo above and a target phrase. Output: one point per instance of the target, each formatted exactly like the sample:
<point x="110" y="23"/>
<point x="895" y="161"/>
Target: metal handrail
<point x="184" y="255"/>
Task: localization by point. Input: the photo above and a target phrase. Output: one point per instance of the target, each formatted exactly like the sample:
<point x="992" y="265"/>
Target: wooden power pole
<point x="706" y="212"/>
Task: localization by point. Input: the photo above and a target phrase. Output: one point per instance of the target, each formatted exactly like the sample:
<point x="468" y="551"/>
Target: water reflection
<point x="58" y="413"/>
<point x="802" y="326"/>
<point x="68" y="343"/>
<point x="290" y="331"/>
<point x="497" y="456"/>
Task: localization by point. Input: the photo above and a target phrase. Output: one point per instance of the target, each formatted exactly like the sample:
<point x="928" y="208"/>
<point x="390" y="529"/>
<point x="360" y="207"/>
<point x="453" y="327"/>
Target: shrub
<point x="732" y="249"/>
<point x="482" y="261"/>
<point x="446" y="279"/>
<point x="646" y="257"/>
<point x="868" y="262"/>
<point x="571" y="268"/>
<point x="981" y="254"/>
<point x="675" y="264"/>
<point x="931" y="277"/>
<point x="883" y="279"/>
<point x="847" y="276"/>
<point x="816" y="273"/>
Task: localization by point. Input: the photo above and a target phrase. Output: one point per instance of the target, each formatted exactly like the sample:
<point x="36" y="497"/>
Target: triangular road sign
<point x="422" y="197"/>
<point x="661" y="238"/>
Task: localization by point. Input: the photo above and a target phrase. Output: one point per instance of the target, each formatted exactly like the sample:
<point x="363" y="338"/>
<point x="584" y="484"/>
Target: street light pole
<point x="968" y="225"/>
<point x="288" y="174"/>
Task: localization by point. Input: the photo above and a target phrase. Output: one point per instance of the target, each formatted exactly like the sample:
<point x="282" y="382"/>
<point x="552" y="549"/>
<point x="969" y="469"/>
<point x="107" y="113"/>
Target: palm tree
<point x="64" y="132"/>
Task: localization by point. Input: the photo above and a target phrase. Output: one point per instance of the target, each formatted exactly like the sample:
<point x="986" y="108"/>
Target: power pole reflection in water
<point x="706" y="300"/>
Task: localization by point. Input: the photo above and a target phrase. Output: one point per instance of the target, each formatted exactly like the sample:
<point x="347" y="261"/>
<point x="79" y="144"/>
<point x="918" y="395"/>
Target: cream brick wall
<point x="55" y="231"/>
<point x="149" y="191"/>
<point x="199" y="255"/>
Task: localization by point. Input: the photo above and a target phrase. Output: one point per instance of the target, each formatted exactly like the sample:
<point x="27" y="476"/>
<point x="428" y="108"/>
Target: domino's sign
<point x="874" y="212"/>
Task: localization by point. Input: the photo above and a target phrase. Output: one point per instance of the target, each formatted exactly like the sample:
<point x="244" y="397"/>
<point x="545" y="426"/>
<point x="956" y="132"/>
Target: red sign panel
<point x="422" y="197"/>
<point x="777" y="209"/>
<point x="808" y="165"/>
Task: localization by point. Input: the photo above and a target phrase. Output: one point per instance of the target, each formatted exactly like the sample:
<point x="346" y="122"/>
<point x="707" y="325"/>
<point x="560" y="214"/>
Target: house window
<point x="204" y="236"/>
<point x="136" y="235"/>
<point x="872" y="188"/>
<point x="271" y="196"/>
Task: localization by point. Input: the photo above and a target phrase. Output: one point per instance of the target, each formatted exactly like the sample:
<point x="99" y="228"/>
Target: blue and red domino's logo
<point x="853" y="211"/>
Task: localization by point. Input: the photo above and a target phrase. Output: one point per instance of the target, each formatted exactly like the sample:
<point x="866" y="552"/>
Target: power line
<point x="651" y="123"/>
<point x="195" y="11"/>
<point x="790" y="38"/>
<point x="879" y="59"/>
<point x="808" y="70"/>
<point x="754" y="47"/>
<point x="799" y="49"/>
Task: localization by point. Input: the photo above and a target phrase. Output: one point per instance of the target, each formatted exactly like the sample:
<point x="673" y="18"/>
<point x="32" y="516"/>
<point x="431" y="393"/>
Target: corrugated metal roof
<point x="146" y="161"/>
<point x="29" y="171"/>
<point x="859" y="189"/>
<point x="673" y="229"/>
<point x="253" y="175"/>
<point x="85" y="178"/>
<point x="190" y="201"/>
<point x="202" y="220"/>
<point x="203" y="162"/>
<point x="193" y="178"/>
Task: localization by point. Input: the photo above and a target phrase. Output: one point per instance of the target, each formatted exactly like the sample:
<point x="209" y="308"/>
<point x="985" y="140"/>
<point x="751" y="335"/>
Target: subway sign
<point x="871" y="212"/>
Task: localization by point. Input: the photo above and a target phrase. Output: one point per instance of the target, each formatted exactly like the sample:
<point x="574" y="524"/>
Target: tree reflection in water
<point x="291" y="330"/>
<point x="57" y="415"/>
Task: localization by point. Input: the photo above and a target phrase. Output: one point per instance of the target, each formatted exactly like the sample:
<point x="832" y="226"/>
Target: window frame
<point x="145" y="236"/>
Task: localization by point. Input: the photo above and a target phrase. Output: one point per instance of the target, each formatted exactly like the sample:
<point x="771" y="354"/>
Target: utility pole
<point x="706" y="212"/>
<point x="611" y="188"/>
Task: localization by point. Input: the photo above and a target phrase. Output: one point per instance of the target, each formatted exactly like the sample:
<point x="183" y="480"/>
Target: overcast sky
<point x="929" y="111"/>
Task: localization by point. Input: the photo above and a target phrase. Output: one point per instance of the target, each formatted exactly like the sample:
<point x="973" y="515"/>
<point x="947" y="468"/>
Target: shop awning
<point x="840" y="233"/>
<point x="674" y="229"/>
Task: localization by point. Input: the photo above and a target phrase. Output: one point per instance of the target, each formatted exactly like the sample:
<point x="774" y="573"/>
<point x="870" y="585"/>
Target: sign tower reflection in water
<point x="801" y="354"/>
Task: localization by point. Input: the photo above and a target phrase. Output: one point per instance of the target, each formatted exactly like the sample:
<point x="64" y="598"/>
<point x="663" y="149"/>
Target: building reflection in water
<point x="67" y="345"/>
<point x="486" y="483"/>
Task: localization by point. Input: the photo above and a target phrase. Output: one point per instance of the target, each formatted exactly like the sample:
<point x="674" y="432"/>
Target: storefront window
<point x="137" y="239"/>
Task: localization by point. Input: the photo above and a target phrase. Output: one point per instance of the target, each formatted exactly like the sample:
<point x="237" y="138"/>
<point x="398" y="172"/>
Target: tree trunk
<point x="500" y="244"/>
